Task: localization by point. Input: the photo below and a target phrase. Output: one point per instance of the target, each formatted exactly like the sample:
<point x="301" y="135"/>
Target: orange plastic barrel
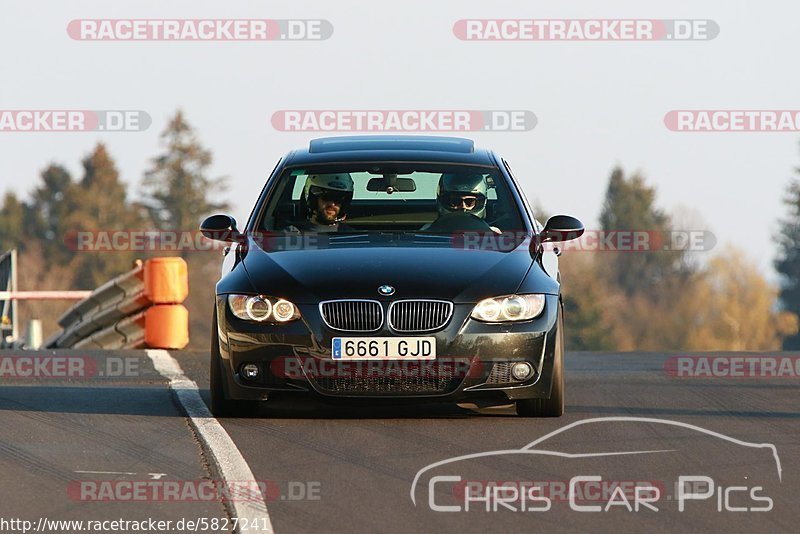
<point x="166" y="326"/>
<point x="166" y="280"/>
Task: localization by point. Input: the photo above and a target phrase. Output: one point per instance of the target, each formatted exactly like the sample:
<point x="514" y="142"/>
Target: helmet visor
<point x="329" y="195"/>
<point x="464" y="201"/>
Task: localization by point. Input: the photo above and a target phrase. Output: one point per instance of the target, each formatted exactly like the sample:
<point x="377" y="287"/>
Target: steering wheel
<point x="459" y="221"/>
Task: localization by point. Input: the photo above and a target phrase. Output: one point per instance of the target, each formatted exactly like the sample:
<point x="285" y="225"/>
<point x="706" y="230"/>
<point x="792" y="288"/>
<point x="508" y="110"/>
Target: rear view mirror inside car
<point x="403" y="185"/>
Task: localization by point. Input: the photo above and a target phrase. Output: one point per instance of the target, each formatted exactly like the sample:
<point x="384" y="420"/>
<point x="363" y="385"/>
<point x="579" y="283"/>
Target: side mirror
<point x="560" y="228"/>
<point x="221" y="228"/>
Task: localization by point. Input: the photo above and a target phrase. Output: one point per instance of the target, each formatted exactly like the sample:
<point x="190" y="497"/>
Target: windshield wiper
<point x="337" y="238"/>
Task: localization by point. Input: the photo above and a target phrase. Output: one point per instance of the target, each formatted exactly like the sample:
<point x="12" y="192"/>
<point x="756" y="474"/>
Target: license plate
<point x="384" y="348"/>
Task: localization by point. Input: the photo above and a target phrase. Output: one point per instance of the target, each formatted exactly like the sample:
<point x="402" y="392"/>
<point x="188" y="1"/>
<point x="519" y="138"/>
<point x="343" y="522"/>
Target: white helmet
<point x="339" y="185"/>
<point x="462" y="192"/>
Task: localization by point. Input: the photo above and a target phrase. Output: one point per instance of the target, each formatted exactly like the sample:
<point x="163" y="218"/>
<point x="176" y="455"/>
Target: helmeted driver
<point x="464" y="193"/>
<point x="327" y="197"/>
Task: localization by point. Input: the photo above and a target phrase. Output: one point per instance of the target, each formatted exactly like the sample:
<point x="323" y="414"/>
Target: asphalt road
<point x="80" y="448"/>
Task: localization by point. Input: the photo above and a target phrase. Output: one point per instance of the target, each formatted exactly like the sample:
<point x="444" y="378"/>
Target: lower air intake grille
<point x="501" y="374"/>
<point x="388" y="380"/>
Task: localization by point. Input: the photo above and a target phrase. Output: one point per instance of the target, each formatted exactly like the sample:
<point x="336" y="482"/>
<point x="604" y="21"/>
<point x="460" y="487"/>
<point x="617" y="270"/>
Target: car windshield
<point x="391" y="197"/>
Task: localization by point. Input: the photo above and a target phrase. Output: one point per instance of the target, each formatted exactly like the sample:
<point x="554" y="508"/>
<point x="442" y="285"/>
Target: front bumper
<point x="471" y="360"/>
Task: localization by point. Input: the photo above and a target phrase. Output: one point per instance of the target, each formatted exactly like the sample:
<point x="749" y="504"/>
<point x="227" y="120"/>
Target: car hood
<point x="438" y="272"/>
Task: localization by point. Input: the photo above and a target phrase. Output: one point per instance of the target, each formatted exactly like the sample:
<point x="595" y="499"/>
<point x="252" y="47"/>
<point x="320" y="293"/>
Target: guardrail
<point x="141" y="308"/>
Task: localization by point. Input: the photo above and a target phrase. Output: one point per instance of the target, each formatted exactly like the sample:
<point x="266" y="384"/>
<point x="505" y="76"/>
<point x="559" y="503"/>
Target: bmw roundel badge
<point x="386" y="290"/>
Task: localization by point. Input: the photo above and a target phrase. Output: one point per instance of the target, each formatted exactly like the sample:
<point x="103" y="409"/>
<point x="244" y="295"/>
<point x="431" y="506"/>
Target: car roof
<point x="425" y="148"/>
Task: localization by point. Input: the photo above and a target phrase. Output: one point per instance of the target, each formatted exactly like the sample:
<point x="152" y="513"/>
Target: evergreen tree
<point x="98" y="204"/>
<point x="788" y="261"/>
<point x="178" y="190"/>
<point x="49" y="211"/>
<point x="629" y="206"/>
<point x="178" y="194"/>
<point x="12" y="225"/>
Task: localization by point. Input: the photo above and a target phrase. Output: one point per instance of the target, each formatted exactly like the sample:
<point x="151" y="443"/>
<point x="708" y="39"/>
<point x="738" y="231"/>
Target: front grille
<point x="383" y="380"/>
<point x="352" y="315"/>
<point x="419" y="315"/>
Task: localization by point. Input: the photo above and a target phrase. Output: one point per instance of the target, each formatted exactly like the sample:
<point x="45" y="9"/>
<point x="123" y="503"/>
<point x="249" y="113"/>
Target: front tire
<point x="221" y="406"/>
<point x="554" y="406"/>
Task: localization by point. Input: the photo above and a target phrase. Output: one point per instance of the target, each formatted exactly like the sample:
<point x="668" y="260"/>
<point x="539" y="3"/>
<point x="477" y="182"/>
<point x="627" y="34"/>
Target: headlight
<point x="260" y="308"/>
<point x="283" y="311"/>
<point x="508" y="308"/>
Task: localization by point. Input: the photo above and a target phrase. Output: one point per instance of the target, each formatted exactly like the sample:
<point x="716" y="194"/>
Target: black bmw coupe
<point x="390" y="269"/>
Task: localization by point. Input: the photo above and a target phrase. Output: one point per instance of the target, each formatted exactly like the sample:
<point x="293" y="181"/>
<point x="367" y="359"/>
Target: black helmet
<point x="462" y="192"/>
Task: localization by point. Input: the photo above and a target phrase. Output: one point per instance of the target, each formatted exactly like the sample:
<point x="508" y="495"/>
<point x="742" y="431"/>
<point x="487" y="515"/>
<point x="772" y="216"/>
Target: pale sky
<point x="598" y="104"/>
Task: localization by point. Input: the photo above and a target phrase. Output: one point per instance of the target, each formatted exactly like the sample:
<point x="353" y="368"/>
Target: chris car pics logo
<point x="446" y="485"/>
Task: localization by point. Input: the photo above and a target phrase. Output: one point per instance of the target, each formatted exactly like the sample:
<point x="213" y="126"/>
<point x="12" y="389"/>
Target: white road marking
<point x="153" y="476"/>
<point x="105" y="472"/>
<point x="218" y="444"/>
